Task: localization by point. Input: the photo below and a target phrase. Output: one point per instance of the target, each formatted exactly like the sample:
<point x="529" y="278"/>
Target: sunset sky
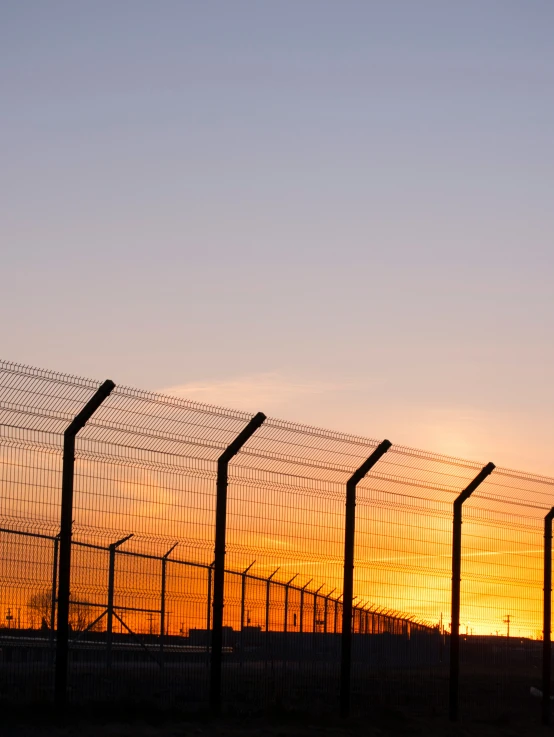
<point x="334" y="212"/>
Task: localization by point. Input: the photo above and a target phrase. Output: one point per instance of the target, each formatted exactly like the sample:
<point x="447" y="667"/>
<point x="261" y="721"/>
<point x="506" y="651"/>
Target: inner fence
<point x="142" y="577"/>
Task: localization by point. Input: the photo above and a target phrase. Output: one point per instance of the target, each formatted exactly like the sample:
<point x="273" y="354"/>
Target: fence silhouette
<point x="164" y="551"/>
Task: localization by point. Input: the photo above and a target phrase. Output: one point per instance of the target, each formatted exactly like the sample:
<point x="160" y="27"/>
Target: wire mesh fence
<point x="141" y="608"/>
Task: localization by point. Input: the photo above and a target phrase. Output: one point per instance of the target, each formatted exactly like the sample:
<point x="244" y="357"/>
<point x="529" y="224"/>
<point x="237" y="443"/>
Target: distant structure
<point x="507" y="622"/>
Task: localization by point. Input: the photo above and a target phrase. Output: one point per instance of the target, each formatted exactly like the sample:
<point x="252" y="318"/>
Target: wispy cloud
<point x="272" y="392"/>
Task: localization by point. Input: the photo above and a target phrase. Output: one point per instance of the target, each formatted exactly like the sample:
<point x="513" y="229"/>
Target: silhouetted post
<point x="286" y="620"/>
<point x="111" y="583"/>
<point x="267" y="598"/>
<point x="354" y="610"/>
<point x="287" y="586"/>
<point x="219" y="562"/>
<point x="162" y="600"/>
<point x="243" y="594"/>
<point x="368" y="619"/>
<point x="456" y="578"/>
<point x="54" y="593"/>
<point x="242" y="607"/>
<point x="547" y="617"/>
<point x="348" y="584"/>
<point x="66" y="523"/>
<point x="336" y="614"/>
<point x="315" y="608"/>
<point x="326" y="610"/>
<point x="209" y="612"/>
<point x="302" y="590"/>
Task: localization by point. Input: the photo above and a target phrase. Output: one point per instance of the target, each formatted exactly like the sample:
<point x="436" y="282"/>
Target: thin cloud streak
<point x="271" y="392"/>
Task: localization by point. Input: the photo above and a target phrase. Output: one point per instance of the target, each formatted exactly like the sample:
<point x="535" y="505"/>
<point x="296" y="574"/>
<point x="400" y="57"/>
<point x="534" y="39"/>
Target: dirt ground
<point x="495" y="701"/>
<point x="387" y="723"/>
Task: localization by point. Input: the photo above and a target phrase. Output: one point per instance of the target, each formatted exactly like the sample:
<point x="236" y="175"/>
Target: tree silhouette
<point x="40" y="612"/>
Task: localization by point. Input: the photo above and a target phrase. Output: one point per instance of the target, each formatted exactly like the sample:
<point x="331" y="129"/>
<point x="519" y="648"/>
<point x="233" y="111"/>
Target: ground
<point x="388" y="723"/>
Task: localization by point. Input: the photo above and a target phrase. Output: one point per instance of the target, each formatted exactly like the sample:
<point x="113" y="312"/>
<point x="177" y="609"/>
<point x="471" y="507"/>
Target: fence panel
<point x="142" y="577"/>
<point x="403" y="573"/>
<point x="501" y="596"/>
<point x="30" y="483"/>
<point x="286" y="512"/>
<point x="145" y="481"/>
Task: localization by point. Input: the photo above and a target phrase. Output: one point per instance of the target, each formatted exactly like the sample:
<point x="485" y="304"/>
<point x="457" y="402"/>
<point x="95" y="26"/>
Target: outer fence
<point x="141" y="620"/>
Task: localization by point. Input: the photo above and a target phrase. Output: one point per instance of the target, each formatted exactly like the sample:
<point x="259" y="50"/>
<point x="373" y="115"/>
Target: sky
<point x="338" y="213"/>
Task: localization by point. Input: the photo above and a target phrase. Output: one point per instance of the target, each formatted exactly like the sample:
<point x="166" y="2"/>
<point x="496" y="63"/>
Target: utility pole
<point x="507" y="621"/>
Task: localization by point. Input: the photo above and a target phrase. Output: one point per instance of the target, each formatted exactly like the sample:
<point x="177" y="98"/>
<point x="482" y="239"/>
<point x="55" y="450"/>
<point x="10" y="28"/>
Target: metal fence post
<point x="111" y="583"/>
<point x="242" y="608"/>
<point x="547" y="618"/>
<point x="219" y="562"/>
<point x="314" y="628"/>
<point x="209" y="612"/>
<point x="353" y="618"/>
<point x="326" y="610"/>
<point x="348" y="583"/>
<point x="302" y="590"/>
<point x="54" y="593"/>
<point x="456" y="578"/>
<point x="162" y="600"/>
<point x="243" y="594"/>
<point x="287" y="586"/>
<point x="66" y="523"/>
<point x="267" y="598"/>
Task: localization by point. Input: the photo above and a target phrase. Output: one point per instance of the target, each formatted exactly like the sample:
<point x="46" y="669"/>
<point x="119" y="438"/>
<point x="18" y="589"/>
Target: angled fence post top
<point x="477" y="481"/>
<point x="81" y="419"/>
<point x="171" y="549"/>
<point x="117" y="543"/>
<point x="233" y="448"/>
<point x="368" y="464"/>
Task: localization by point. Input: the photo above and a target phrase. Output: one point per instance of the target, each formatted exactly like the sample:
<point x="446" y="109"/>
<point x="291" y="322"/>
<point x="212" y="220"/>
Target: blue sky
<point x="336" y="212"/>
